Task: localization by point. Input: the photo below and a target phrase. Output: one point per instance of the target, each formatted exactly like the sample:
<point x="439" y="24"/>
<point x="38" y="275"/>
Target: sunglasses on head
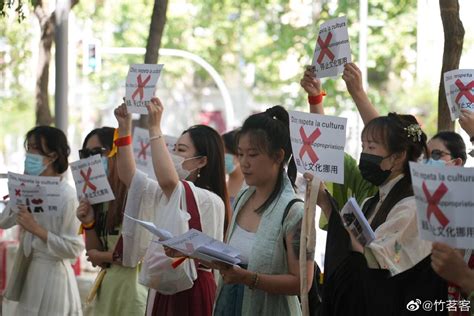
<point x="437" y="154"/>
<point x="86" y="152"/>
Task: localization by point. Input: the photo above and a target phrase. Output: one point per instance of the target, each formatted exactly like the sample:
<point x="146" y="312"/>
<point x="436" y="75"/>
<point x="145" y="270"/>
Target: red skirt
<point x="197" y="301"/>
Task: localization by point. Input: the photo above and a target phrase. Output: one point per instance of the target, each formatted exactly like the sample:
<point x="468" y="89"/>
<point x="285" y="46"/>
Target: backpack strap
<point x="285" y="214"/>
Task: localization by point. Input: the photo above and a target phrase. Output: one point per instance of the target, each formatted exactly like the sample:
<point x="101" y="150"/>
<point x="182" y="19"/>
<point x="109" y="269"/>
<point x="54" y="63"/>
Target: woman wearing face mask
<point x="447" y="149"/>
<point x="50" y="243"/>
<point x="119" y="292"/>
<point x="235" y="179"/>
<point x="197" y="164"/>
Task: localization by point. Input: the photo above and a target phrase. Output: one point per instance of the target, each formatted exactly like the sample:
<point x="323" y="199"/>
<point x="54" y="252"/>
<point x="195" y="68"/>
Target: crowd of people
<point x="238" y="188"/>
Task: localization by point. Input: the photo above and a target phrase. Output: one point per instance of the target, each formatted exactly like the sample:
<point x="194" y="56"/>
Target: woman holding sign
<point x="192" y="179"/>
<point x="119" y="292"/>
<point x="266" y="225"/>
<point x="42" y="280"/>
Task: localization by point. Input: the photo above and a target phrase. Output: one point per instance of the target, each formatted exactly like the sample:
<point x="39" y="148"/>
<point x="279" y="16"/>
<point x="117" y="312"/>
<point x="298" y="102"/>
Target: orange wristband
<point x="123" y="141"/>
<point x="316" y="99"/>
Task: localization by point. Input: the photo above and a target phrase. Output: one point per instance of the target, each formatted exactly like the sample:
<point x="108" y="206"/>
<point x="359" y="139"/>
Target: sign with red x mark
<point x="91" y="180"/>
<point x="444" y="201"/>
<point x="459" y="89"/>
<point x="332" y="50"/>
<point x="318" y="143"/>
<point x="140" y="86"/>
<point x="41" y="195"/>
<point x="433" y="201"/>
<point x="142" y="150"/>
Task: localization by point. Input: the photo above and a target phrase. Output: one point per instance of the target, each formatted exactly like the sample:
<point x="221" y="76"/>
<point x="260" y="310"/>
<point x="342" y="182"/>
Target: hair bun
<point x="279" y="113"/>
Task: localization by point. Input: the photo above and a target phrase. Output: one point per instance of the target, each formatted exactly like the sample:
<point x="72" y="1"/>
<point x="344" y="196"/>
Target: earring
<point x="199" y="173"/>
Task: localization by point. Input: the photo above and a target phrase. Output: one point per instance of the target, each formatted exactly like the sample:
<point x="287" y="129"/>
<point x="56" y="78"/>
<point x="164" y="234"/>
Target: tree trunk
<point x="453" y="41"/>
<point x="43" y="112"/>
<point x="47" y="25"/>
<point x="157" y="26"/>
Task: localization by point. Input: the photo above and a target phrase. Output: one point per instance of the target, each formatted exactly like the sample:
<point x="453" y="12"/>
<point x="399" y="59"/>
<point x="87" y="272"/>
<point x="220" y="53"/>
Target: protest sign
<point x="142" y="150"/>
<point x="332" y="50"/>
<point x="91" y="180"/>
<point x="140" y="86"/>
<point x="318" y="144"/>
<point x="459" y="89"/>
<point x="39" y="194"/>
<point x="444" y="201"/>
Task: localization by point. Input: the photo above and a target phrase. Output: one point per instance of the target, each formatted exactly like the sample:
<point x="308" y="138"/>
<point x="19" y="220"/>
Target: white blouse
<point x="397" y="245"/>
<point x="243" y="241"/>
<point x="146" y="201"/>
<point x="50" y="287"/>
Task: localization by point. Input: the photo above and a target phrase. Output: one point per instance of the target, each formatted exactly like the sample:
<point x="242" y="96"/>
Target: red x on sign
<point x="17" y="192"/>
<point x="87" y="182"/>
<point x="433" y="201"/>
<point x="307" y="144"/>
<point x="464" y="90"/>
<point x="141" y="85"/>
<point x="325" y="48"/>
<point x="143" y="148"/>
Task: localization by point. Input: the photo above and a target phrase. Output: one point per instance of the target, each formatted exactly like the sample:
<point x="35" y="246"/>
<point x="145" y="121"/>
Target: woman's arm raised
<point x="125" y="162"/>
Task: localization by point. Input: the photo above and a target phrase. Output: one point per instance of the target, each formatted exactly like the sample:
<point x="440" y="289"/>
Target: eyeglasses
<point x="86" y="152"/>
<point x="437" y="154"/>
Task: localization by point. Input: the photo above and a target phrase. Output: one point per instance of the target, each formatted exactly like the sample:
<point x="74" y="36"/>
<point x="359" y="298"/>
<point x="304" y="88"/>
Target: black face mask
<point x="369" y="166"/>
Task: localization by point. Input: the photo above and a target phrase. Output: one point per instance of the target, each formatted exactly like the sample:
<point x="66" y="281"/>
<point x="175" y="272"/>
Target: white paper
<point x="40" y="194"/>
<point x="332" y="49"/>
<point x="459" y="89"/>
<point x="445" y="203"/>
<point x="91" y="180"/>
<point x="140" y="86"/>
<point x="151" y="227"/>
<point x="355" y="221"/>
<point x="318" y="144"/>
<point x="142" y="150"/>
<point x="196" y="244"/>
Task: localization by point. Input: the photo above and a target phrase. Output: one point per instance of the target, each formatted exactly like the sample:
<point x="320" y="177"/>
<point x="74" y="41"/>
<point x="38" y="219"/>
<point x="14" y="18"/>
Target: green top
<point x="120" y="293"/>
<point x="354" y="186"/>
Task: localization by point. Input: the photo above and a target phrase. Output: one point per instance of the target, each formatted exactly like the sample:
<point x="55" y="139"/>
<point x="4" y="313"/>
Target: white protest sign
<point x="142" y="150"/>
<point x="318" y="144"/>
<point x="40" y="194"/>
<point x="140" y="86"/>
<point x="91" y="180"/>
<point x="444" y="202"/>
<point x="459" y="89"/>
<point x="332" y="50"/>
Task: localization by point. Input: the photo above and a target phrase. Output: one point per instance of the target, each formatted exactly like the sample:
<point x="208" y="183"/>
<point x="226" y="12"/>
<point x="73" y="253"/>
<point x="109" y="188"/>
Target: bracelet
<point x="89" y="226"/>
<point x="155" y="137"/>
<point x="254" y="282"/>
<point x="123" y="141"/>
<point x="316" y="99"/>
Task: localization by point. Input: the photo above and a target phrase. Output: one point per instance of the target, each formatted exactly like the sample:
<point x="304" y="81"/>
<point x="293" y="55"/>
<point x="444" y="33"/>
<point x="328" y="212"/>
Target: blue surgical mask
<point x="229" y="163"/>
<point x="435" y="163"/>
<point x="34" y="164"/>
<point x="105" y="163"/>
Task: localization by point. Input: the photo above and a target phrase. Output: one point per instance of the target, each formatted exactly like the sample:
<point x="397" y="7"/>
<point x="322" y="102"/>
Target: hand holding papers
<point x="355" y="221"/>
<point x="195" y="244"/>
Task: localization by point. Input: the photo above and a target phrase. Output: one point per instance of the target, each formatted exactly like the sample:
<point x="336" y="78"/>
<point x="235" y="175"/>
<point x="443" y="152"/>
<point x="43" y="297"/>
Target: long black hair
<point x="208" y="143"/>
<point x="114" y="216"/>
<point x="270" y="132"/>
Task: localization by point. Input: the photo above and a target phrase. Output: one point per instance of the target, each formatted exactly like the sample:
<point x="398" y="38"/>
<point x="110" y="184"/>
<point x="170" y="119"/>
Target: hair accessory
<point x="414" y="132"/>
<point x="274" y="117"/>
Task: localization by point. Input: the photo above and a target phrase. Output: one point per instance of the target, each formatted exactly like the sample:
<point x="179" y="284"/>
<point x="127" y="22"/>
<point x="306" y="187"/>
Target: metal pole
<point x="61" y="58"/>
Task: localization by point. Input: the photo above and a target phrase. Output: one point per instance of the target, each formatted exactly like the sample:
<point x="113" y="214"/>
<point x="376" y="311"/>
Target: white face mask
<point x="178" y="161"/>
